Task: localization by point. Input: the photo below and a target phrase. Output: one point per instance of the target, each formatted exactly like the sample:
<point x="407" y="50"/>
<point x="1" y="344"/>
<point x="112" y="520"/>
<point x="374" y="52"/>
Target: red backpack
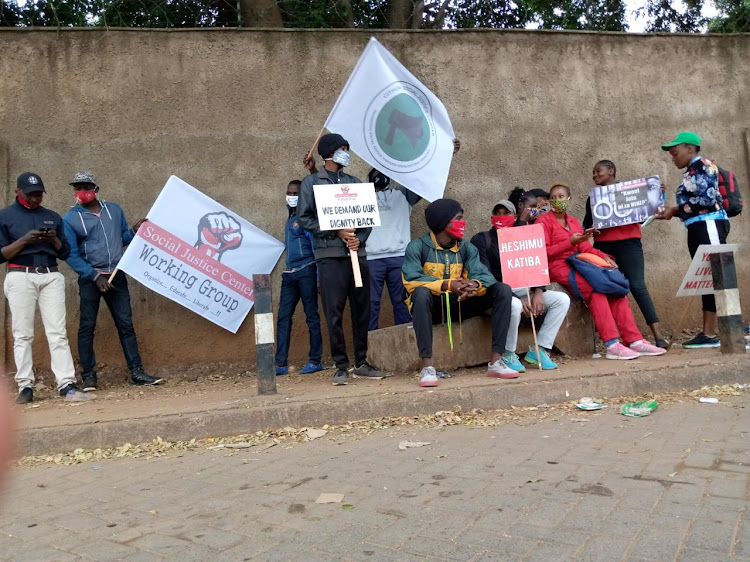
<point x="730" y="192"/>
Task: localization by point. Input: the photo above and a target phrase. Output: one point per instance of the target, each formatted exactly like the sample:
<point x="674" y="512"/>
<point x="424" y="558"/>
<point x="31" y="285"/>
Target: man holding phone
<point x="31" y="242"/>
<point x="97" y="232"/>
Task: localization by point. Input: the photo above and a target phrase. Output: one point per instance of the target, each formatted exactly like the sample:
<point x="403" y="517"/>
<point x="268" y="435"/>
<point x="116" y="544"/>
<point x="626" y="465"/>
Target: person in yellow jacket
<point x="444" y="277"/>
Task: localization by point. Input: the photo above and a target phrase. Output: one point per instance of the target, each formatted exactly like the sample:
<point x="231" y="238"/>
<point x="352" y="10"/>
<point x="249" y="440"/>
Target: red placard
<point x="523" y="256"/>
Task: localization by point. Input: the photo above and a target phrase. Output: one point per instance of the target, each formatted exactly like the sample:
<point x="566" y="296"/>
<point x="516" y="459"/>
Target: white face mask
<point x="291" y="200"/>
<point x="341" y="157"/>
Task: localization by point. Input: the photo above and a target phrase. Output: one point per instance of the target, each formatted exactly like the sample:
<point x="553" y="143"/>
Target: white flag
<point x="200" y="254"/>
<point x="394" y="123"/>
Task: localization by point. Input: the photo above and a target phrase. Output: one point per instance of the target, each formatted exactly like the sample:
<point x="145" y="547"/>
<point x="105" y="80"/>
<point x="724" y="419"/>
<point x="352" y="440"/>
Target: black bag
<point x="730" y="192"/>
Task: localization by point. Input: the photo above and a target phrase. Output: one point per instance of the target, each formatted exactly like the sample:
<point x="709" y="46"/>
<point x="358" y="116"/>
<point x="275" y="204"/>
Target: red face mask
<point x="503" y="221"/>
<point x="456" y="228"/>
<point x="25" y="203"/>
<point x="85" y="196"/>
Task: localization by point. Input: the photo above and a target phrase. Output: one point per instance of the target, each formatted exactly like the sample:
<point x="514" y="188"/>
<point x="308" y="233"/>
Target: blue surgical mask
<point x="342" y="157"/>
<point x="291" y="200"/>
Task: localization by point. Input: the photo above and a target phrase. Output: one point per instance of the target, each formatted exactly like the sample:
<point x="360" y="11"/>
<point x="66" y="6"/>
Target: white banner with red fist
<point x="200" y="254"/>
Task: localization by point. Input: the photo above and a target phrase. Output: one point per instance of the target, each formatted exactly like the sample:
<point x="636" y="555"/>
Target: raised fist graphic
<point x="217" y="233"/>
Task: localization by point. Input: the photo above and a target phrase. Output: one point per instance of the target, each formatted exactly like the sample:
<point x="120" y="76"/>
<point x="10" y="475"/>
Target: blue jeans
<point x="118" y="302"/>
<point x="387" y="271"/>
<point x="300" y="284"/>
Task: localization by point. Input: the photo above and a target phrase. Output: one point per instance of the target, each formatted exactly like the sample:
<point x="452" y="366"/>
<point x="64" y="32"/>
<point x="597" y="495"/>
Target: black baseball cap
<point x="29" y="182"/>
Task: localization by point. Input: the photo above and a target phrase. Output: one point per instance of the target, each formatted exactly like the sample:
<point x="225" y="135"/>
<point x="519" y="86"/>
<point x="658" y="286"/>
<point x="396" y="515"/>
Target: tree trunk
<point x="399" y="13"/>
<point x="260" y="13"/>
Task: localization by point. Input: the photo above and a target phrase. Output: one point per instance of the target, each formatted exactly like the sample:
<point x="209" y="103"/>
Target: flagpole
<point x="312" y="148"/>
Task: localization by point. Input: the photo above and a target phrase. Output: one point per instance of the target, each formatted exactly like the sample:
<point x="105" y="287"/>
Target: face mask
<point x="291" y="200"/>
<point x="85" y="197"/>
<point x="381" y="181"/>
<point x="533" y="213"/>
<point x="503" y="221"/>
<point x="341" y="157"/>
<point x="559" y="205"/>
<point x="25" y="203"/>
<point x="456" y="228"/>
<point x="544" y="209"/>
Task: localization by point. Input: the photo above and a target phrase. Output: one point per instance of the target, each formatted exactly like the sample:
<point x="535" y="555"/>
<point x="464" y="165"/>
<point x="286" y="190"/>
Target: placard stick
<point x="111" y="277"/>
<point x="355" y="268"/>
<point x="680" y="321"/>
<point x="533" y="330"/>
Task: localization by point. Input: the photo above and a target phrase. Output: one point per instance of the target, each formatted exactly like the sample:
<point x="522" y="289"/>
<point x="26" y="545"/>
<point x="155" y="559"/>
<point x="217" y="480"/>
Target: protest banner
<point x="347" y="206"/>
<point x="625" y="202"/>
<point x="395" y="123"/>
<point x="523" y="256"/>
<point x="523" y="262"/>
<point x="200" y="254"/>
<point x="698" y="279"/>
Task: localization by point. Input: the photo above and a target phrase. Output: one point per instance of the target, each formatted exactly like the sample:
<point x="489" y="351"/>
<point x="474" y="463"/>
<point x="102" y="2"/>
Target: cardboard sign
<point x="523" y="256"/>
<point x="698" y="279"/>
<point x="200" y="254"/>
<point x="626" y="202"/>
<point x="346" y="205"/>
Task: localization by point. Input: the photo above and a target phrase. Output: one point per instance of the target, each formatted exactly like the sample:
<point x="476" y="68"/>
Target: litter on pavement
<point x="412" y="444"/>
<point x="588" y="404"/>
<point x="639" y="409"/>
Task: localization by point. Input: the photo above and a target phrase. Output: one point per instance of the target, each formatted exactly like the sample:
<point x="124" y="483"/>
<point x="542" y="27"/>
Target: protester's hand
<point x="580" y="237"/>
<point x="309" y="163"/>
<point x="34" y="236"/>
<point x="612" y="263"/>
<point x="349" y="238"/>
<point x="527" y="309"/>
<point x="537" y="302"/>
<point x="102" y="283"/>
<point x="470" y="289"/>
<point x="456" y="146"/>
<point x="138" y="224"/>
<point x="664" y="214"/>
<point x="525" y="215"/>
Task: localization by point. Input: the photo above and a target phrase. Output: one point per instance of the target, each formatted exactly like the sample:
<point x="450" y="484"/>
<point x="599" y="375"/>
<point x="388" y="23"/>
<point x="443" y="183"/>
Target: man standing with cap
<point x="97" y="232"/>
<point x="701" y="209"/>
<point x="31" y="242"/>
<point x="335" y="274"/>
<point x="445" y="279"/>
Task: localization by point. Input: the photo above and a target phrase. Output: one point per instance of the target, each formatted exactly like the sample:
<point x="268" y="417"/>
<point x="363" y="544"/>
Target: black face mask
<point x="381" y="181"/>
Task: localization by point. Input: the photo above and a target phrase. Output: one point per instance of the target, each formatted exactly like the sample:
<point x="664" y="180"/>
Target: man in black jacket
<point x="31" y="242"/>
<point x="335" y="274"/>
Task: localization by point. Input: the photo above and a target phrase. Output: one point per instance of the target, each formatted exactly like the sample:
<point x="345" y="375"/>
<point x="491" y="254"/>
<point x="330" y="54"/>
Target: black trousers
<point x="629" y="257"/>
<point x="701" y="232"/>
<point x="336" y="280"/>
<point x="428" y="309"/>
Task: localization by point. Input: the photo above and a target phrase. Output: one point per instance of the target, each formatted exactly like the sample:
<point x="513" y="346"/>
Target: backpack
<point x="603" y="280"/>
<point x="730" y="192"/>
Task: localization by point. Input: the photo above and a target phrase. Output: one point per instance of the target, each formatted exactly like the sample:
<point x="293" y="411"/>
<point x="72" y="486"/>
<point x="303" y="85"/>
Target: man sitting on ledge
<point x="444" y="277"/>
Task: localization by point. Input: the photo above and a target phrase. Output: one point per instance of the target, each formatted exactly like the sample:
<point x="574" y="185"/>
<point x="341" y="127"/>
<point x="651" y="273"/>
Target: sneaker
<point x="25" y="396"/>
<point x="664" y="344"/>
<point x="619" y="351"/>
<point x="512" y="361"/>
<point x="367" y="371"/>
<point x="89" y="382"/>
<point x="282" y="370"/>
<point x="67" y="388"/>
<point x="547" y="363"/>
<point x="500" y="370"/>
<point x="428" y="377"/>
<point x="340" y="377"/>
<point x="311" y="367"/>
<point x="139" y="378"/>
<point x="644" y="348"/>
<point x="702" y="340"/>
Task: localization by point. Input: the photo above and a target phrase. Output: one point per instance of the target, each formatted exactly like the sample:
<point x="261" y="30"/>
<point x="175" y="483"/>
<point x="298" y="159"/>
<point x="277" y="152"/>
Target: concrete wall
<point x="233" y="112"/>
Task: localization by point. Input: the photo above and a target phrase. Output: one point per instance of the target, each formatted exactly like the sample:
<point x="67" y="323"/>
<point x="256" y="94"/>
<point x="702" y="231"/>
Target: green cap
<point x="685" y="137"/>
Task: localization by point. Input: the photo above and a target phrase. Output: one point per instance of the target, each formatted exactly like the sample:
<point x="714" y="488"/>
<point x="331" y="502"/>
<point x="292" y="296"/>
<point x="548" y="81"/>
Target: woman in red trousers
<point x="612" y="314"/>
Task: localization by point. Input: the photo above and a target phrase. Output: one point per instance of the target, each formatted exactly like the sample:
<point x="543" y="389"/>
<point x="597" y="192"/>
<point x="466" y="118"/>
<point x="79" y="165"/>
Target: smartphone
<point x="45" y="229"/>
<point x="591" y="231"/>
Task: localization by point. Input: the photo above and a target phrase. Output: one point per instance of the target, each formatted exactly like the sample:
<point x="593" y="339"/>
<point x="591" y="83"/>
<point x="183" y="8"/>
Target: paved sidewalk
<point x="575" y="486"/>
<point x="222" y="403"/>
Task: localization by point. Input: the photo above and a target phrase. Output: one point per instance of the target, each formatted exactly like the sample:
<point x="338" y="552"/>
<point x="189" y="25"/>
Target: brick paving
<point x="672" y="486"/>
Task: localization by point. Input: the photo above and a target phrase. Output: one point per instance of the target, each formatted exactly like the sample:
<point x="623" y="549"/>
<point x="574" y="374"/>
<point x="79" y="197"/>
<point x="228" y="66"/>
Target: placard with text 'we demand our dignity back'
<point x="200" y="254"/>
<point x="346" y="205"/>
<point x="523" y="256"/>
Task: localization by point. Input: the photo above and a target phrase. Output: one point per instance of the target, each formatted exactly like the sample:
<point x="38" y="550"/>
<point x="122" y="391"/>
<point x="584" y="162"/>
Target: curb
<point x="199" y="425"/>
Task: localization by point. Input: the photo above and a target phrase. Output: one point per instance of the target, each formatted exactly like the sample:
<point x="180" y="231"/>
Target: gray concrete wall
<point x="232" y="113"/>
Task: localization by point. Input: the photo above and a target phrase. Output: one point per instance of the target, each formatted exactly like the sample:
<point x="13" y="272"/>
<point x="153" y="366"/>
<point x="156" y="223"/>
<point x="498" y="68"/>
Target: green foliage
<point x="734" y="18"/>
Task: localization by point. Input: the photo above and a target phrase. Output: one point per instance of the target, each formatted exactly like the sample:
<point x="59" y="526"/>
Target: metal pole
<point x="728" y="310"/>
<point x="264" y="342"/>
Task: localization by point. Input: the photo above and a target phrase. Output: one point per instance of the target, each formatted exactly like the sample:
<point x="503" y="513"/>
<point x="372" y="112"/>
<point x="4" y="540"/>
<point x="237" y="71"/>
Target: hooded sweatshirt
<point x="389" y="240"/>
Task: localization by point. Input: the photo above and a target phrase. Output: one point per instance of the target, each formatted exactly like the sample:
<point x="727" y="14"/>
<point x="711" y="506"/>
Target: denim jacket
<point x="299" y="244"/>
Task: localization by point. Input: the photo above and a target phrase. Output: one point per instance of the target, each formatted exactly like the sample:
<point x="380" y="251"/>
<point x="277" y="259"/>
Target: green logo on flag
<point x="401" y="129"/>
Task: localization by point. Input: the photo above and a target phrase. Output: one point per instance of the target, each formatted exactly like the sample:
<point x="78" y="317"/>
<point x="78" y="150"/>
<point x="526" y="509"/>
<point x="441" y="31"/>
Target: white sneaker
<point x="428" y="377"/>
<point x="500" y="370"/>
